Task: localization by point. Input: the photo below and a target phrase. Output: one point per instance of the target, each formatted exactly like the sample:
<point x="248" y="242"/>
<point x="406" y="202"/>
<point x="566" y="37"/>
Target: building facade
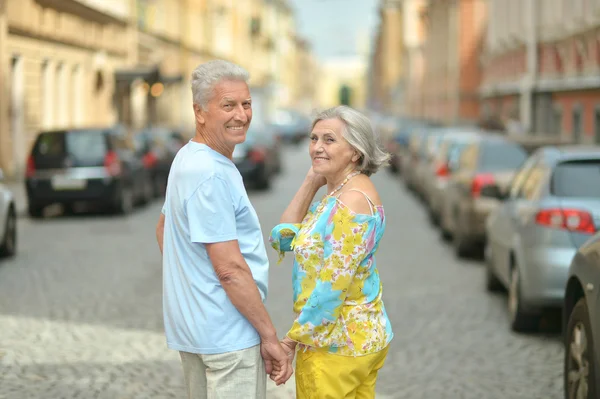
<point x="76" y="63"/>
<point x="387" y="84"/>
<point x="57" y="61"/>
<point x="414" y="62"/>
<point x="541" y="66"/>
<point x="452" y="52"/>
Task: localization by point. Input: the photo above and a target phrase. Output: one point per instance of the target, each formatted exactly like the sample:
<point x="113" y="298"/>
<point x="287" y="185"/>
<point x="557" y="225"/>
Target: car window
<point x="497" y="156"/>
<point x="87" y="148"/>
<point x="520" y="177"/>
<point x="533" y="182"/>
<point x="50" y="145"/>
<point x="468" y="158"/>
<point x="577" y="179"/>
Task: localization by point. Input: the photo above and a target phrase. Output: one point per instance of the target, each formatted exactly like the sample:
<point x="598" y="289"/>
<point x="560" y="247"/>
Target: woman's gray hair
<point x="206" y="76"/>
<point x="359" y="133"/>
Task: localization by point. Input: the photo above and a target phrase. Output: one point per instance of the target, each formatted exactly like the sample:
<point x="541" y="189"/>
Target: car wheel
<point x="492" y="284"/>
<point x="579" y="373"/>
<point x="462" y="247"/>
<point x="148" y="189"/>
<point x="125" y="201"/>
<point x="520" y="319"/>
<point x="8" y="248"/>
<point x="35" y="211"/>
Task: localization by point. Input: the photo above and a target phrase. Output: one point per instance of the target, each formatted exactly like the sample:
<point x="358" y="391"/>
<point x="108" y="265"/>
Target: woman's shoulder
<point x="362" y="197"/>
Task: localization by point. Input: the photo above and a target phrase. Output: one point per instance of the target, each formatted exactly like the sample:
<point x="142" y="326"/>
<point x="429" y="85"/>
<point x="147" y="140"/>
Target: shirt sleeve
<point x="347" y="243"/>
<point x="211" y="212"/>
<point x="282" y="236"/>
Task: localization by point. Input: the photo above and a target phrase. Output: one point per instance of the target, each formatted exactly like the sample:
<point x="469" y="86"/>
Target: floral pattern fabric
<point x="337" y="290"/>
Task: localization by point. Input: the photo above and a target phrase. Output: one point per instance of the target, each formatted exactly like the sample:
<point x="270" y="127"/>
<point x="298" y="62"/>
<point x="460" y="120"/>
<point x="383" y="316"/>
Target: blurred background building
<point x="76" y="63"/>
<point x="521" y="66"/>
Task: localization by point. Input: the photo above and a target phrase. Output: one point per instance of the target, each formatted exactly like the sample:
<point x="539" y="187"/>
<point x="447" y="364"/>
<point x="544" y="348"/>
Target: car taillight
<point x="149" y="160"/>
<point x="112" y="163"/>
<point x="567" y="219"/>
<point x="442" y="170"/>
<point x="257" y="155"/>
<point x="480" y="181"/>
<point x="30" y="167"/>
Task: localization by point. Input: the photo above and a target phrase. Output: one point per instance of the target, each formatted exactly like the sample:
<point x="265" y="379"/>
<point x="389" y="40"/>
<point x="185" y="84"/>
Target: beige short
<point x="230" y="375"/>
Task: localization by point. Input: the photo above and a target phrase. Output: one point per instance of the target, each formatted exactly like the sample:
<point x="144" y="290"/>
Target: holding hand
<point x="277" y="362"/>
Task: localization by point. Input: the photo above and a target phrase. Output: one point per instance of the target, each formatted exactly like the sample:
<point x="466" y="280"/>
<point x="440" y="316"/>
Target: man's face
<point x="229" y="113"/>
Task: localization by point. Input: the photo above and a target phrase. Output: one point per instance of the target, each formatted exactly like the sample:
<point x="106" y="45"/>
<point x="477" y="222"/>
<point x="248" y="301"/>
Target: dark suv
<point x="85" y="165"/>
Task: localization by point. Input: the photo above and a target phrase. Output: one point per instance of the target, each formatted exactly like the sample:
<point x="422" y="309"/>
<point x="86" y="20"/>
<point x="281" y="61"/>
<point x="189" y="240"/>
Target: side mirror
<point x="493" y="191"/>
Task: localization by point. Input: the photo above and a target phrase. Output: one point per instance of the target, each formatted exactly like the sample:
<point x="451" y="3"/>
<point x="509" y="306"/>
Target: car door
<point x="500" y="224"/>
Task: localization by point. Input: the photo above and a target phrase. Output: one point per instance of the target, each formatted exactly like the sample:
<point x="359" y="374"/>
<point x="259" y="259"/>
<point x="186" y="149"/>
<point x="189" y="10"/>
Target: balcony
<point x="102" y="11"/>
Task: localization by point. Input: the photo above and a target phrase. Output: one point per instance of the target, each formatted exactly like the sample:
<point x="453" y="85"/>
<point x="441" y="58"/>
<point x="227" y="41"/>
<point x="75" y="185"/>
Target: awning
<point x="150" y="75"/>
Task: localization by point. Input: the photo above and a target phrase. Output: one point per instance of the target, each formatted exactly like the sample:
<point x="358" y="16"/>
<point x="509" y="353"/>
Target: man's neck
<point x="204" y="138"/>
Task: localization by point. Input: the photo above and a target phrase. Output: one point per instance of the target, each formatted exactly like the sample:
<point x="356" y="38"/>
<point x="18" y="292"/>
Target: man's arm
<point x="239" y="285"/>
<point x="160" y="231"/>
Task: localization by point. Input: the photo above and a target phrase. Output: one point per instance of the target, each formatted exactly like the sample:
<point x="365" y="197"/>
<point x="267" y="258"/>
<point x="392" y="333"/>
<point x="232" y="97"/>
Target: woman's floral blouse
<point x="337" y="291"/>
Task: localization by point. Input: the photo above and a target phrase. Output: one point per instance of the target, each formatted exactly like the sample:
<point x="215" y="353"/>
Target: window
<point x="597" y="124"/>
<point x="497" y="156"/>
<point x="533" y="183"/>
<point x="557" y="121"/>
<point x="577" y="127"/>
<point x="521" y="176"/>
<point x="577" y="179"/>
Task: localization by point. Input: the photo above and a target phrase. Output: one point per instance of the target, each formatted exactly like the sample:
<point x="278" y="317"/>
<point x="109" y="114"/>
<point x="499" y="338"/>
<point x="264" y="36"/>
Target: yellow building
<point x="73" y="63"/>
<point x="57" y="62"/>
<point x="343" y="77"/>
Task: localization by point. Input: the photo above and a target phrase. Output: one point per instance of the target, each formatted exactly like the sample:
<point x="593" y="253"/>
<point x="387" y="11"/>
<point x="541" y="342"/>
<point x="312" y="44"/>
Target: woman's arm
<point x="298" y="208"/>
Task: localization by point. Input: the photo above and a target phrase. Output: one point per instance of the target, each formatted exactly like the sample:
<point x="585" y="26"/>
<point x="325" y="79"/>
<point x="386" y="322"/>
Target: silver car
<point x="552" y="207"/>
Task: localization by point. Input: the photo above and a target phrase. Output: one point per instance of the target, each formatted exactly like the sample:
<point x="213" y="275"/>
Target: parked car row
<point x="102" y="166"/>
<point x="531" y="207"/>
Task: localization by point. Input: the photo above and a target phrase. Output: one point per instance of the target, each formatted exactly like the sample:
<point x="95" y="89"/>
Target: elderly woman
<point x="341" y="330"/>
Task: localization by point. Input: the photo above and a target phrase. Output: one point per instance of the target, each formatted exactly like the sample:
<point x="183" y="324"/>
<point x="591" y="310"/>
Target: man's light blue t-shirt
<point x="206" y="202"/>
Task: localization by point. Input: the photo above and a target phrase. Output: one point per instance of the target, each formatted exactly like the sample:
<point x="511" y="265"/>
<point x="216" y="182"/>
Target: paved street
<point x="80" y="311"/>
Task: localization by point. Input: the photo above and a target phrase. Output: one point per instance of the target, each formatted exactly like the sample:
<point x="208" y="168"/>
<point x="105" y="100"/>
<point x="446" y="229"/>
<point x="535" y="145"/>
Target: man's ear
<point x="199" y="114"/>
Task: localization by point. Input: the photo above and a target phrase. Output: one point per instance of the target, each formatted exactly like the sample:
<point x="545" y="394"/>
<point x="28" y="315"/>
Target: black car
<point x="157" y="147"/>
<point x="258" y="158"/>
<point x="85" y="165"/>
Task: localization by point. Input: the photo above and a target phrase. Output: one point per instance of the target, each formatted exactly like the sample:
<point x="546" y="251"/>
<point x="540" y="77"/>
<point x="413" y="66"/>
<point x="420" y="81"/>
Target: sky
<point x="335" y="27"/>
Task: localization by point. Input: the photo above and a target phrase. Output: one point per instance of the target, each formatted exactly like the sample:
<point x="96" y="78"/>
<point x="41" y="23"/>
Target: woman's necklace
<point x="350" y="176"/>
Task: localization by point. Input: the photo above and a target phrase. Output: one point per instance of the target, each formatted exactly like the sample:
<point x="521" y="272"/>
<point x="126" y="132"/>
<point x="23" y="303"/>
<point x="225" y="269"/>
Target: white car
<point x="8" y="221"/>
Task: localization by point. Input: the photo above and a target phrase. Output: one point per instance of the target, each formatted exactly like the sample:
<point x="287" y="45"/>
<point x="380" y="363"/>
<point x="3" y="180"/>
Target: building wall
<point x="452" y="51"/>
<point x="58" y="68"/>
<point x="549" y="51"/>
<point x="340" y="72"/>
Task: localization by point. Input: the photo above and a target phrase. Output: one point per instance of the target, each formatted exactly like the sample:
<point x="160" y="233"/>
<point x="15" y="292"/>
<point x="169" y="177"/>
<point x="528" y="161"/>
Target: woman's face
<point x="329" y="151"/>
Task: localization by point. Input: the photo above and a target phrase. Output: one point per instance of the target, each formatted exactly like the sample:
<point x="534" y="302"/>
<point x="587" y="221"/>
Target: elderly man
<point x="215" y="267"/>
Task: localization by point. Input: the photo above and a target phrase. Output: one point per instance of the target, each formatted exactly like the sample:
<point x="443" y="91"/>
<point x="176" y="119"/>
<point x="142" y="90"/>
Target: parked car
<point x="581" y="323"/>
<point x="437" y="172"/>
<point x="157" y="147"/>
<point x="550" y="209"/>
<point x="85" y="165"/>
<point x="487" y="162"/>
<point x="8" y="221"/>
<point x="258" y="158"/>
<point x="291" y="126"/>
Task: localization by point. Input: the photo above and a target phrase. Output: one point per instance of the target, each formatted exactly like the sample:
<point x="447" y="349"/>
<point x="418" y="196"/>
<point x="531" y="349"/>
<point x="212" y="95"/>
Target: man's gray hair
<point x="206" y="76"/>
<point x="359" y="133"/>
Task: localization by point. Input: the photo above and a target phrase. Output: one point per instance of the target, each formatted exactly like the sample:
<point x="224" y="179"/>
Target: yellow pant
<point x="322" y="375"/>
